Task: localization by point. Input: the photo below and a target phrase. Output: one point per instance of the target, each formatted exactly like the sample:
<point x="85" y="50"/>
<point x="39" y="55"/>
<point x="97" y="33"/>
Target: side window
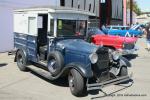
<point x="32" y="29"/>
<point x="62" y="2"/>
<point x="51" y="27"/>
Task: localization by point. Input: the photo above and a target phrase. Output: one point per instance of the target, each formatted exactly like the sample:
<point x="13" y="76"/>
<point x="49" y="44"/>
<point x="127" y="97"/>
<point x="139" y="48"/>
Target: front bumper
<point x="127" y="51"/>
<point x="98" y="86"/>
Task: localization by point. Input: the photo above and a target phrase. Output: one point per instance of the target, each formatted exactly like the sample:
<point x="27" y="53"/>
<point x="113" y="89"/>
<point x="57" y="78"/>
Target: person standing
<point x="148" y="36"/>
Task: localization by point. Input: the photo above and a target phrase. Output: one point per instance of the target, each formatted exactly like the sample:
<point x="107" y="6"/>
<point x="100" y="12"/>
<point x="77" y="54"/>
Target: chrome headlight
<point x="116" y="55"/>
<point x="93" y="58"/>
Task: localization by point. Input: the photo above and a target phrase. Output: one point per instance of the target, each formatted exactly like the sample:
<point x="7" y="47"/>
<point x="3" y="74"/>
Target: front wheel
<point x="123" y="71"/>
<point x="76" y="83"/>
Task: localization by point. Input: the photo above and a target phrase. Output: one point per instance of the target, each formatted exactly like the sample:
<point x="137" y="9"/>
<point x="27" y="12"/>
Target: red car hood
<point x="123" y="39"/>
<point x="128" y="39"/>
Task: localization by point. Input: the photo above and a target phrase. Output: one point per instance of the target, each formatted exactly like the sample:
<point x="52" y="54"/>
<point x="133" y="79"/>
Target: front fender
<point x="124" y="62"/>
<point x="85" y="71"/>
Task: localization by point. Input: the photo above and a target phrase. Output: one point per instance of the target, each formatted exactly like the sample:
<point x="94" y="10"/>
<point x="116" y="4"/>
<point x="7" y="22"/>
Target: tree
<point x="136" y="8"/>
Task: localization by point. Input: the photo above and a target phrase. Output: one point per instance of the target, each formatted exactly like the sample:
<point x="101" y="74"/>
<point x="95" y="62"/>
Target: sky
<point x="144" y="5"/>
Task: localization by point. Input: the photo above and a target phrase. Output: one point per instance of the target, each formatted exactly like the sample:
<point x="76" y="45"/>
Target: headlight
<point x="93" y="57"/>
<point x="116" y="55"/>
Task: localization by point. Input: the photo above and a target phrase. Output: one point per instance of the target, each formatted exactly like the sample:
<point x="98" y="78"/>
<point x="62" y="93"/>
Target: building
<point x="143" y="18"/>
<point x="106" y="12"/>
<point x="6" y="14"/>
<point x="113" y="12"/>
<point x="134" y="15"/>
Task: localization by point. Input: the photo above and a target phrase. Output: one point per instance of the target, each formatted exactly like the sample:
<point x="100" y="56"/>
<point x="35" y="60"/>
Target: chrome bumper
<point x="97" y="86"/>
<point x="131" y="51"/>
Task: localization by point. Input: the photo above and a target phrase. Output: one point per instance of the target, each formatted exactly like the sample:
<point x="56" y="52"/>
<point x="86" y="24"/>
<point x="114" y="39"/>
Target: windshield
<point x="95" y="31"/>
<point x="71" y="27"/>
<point x="99" y="31"/>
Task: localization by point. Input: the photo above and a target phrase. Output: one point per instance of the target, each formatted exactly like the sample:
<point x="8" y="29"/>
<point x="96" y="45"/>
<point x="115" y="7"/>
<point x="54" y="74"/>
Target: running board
<point x="97" y="86"/>
<point x="42" y="72"/>
<point x="43" y="63"/>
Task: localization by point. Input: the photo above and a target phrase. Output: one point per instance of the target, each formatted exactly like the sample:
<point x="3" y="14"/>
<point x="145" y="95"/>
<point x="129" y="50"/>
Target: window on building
<point x="89" y="7"/>
<point x="62" y="2"/>
<point x="94" y="7"/>
<point x="78" y="6"/>
<point x="84" y="4"/>
<point x="72" y="3"/>
<point x="103" y="1"/>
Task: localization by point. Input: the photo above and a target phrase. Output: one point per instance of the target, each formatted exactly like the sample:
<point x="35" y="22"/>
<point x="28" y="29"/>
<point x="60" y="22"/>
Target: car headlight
<point x="116" y="55"/>
<point x="93" y="58"/>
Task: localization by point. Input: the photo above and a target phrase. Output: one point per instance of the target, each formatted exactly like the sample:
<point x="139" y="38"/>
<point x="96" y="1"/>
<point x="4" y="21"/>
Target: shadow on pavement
<point x="3" y="64"/>
<point x="59" y="82"/>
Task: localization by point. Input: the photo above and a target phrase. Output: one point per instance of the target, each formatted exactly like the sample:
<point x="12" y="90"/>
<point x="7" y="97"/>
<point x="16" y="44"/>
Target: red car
<point x="124" y="44"/>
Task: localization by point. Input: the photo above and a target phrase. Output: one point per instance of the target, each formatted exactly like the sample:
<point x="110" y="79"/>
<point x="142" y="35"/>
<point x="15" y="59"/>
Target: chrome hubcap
<point x="51" y="65"/>
<point x="20" y="60"/>
<point x="71" y="82"/>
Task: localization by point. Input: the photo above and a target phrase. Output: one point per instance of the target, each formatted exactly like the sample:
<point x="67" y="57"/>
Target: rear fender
<point x="24" y="51"/>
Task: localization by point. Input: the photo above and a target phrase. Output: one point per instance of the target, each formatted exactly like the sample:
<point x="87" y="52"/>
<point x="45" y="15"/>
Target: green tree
<point x="136" y="8"/>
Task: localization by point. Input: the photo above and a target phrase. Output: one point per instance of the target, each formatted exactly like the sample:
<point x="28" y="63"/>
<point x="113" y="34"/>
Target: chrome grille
<point x="129" y="46"/>
<point x="103" y="58"/>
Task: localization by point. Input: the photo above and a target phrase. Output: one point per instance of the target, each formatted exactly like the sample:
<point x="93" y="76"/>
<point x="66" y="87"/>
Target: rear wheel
<point x="76" y="83"/>
<point x="21" y="60"/>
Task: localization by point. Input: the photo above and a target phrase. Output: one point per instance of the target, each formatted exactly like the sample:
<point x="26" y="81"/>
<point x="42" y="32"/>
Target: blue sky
<point x="144" y="4"/>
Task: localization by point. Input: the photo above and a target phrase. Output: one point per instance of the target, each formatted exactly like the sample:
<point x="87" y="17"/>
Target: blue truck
<point x="53" y="38"/>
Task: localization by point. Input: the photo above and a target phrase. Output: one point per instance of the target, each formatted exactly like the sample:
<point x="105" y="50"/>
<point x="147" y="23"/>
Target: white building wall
<point x="133" y="17"/>
<point x="6" y="29"/>
<point x="88" y="3"/>
<point x="68" y="3"/>
<point x="6" y="18"/>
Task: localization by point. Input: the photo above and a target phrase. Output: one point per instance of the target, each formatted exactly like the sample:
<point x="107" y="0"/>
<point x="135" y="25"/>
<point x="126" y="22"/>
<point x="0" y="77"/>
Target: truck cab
<point x="52" y="37"/>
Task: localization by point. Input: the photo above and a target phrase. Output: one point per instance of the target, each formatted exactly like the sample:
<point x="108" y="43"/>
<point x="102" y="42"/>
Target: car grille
<point x="103" y="59"/>
<point x="129" y="46"/>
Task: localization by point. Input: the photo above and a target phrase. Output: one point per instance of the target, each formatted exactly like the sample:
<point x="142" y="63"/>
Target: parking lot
<point x="17" y="85"/>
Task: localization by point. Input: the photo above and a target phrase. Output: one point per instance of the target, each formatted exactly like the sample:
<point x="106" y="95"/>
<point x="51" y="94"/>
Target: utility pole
<point x="131" y="9"/>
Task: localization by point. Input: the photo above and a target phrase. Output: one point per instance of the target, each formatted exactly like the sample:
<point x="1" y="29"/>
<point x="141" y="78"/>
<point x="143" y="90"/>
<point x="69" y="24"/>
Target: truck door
<point x="32" y="37"/>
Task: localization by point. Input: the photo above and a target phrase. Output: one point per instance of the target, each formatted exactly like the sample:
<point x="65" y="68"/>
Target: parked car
<point x="126" y="45"/>
<point x="124" y="31"/>
<point x="53" y="39"/>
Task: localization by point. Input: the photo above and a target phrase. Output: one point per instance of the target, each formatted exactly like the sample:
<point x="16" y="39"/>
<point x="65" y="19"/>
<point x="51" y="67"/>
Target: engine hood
<point x="117" y="38"/>
<point x="78" y="45"/>
<point x="129" y="39"/>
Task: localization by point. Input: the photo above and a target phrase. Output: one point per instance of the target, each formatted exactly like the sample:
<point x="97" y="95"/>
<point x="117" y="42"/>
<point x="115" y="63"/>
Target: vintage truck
<point x="52" y="38"/>
<point x="126" y="45"/>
